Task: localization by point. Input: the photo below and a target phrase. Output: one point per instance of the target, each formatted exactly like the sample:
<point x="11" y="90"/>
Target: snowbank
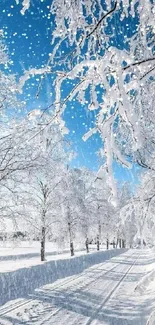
<point x="151" y="320"/>
<point x="144" y="282"/>
<point x="22" y="282"/>
<point x="146" y="286"/>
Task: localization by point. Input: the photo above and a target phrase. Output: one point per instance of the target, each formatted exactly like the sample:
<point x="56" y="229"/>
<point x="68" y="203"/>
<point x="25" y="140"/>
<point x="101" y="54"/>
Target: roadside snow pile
<point x="151" y="320"/>
<point x="145" y="282"/>
<point x="146" y="286"/>
<point x="20" y="283"/>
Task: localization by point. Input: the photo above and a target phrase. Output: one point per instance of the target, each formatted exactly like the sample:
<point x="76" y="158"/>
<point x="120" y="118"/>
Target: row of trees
<point x="138" y="214"/>
<point x="106" y="52"/>
<point x="41" y="193"/>
<point x="38" y="190"/>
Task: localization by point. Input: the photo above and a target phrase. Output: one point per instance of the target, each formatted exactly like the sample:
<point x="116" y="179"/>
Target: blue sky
<point x="28" y="39"/>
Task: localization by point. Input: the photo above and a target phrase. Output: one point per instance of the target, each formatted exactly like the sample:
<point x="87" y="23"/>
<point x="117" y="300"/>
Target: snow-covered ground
<point x="25" y="249"/>
<point x="24" y="254"/>
<point x="30" y="260"/>
<point x="101" y="294"/>
<point x="10" y="250"/>
<point x="146" y="288"/>
<point x="19" y="277"/>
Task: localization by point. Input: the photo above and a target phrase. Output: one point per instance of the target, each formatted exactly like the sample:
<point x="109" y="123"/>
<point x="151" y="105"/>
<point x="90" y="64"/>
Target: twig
<point x="102" y="18"/>
<point x="138" y="63"/>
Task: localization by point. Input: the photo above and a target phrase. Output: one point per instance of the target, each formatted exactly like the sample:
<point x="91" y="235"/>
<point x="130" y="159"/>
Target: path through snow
<point x="101" y="295"/>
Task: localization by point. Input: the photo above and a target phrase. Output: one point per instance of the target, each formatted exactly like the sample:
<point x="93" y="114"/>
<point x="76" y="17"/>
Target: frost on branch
<point x="25" y="5"/>
<point x="100" y="68"/>
<point x="89" y="134"/>
<point x="113" y="79"/>
<point x="3" y="50"/>
<point x="8" y="83"/>
<point x="31" y="73"/>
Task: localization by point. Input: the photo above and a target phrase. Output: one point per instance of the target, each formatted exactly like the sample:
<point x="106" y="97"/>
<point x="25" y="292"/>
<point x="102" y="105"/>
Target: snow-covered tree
<point x="39" y="193"/>
<point x="16" y="157"/>
<point x="111" y="71"/>
<point x="145" y="206"/>
<point x="105" y="215"/>
<point x="72" y="197"/>
<point x="98" y="216"/>
<point x="14" y="135"/>
<point x="136" y="212"/>
<point x="87" y="210"/>
<point x="125" y="201"/>
<point x="8" y="83"/>
<point x="88" y="55"/>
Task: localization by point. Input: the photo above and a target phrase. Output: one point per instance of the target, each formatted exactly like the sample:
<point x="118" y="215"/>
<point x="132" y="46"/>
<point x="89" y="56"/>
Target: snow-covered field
<point x="26" y="249"/>
<point x="101" y="293"/>
<point x="19" y="277"/>
<point x="15" y="256"/>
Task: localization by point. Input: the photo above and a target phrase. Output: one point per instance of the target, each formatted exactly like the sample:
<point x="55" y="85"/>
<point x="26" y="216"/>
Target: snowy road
<point x="102" y="294"/>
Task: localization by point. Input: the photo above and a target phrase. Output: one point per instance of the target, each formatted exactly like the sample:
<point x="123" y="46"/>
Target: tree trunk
<point x="98" y="243"/>
<point x="43" y="244"/>
<point x="72" y="248"/>
<point x="107" y="243"/>
<point x="123" y="243"/>
<point x="99" y="230"/>
<point x="99" y="235"/>
<point x="87" y="245"/>
<point x="71" y="239"/>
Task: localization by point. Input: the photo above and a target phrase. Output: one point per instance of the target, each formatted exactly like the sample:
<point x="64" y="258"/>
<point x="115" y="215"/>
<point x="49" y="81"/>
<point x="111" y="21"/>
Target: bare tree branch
<point x="102" y="18"/>
<point x="138" y="63"/>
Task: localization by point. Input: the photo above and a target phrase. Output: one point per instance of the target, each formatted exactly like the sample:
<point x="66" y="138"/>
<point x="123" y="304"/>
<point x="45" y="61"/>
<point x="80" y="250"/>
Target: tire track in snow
<point x="17" y="305"/>
<point x="47" y="318"/>
<point x="110" y="294"/>
<point x="4" y="311"/>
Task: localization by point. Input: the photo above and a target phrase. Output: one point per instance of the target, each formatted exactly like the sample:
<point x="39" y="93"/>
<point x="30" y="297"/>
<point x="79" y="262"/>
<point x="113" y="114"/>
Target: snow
<point x="26" y="5"/>
<point x="18" y="278"/>
<point x="93" y="294"/>
<point x="42" y="191"/>
<point x="146" y="288"/>
<point x="26" y="249"/>
<point x="30" y="73"/>
<point x="145" y="282"/>
<point x="151" y="320"/>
